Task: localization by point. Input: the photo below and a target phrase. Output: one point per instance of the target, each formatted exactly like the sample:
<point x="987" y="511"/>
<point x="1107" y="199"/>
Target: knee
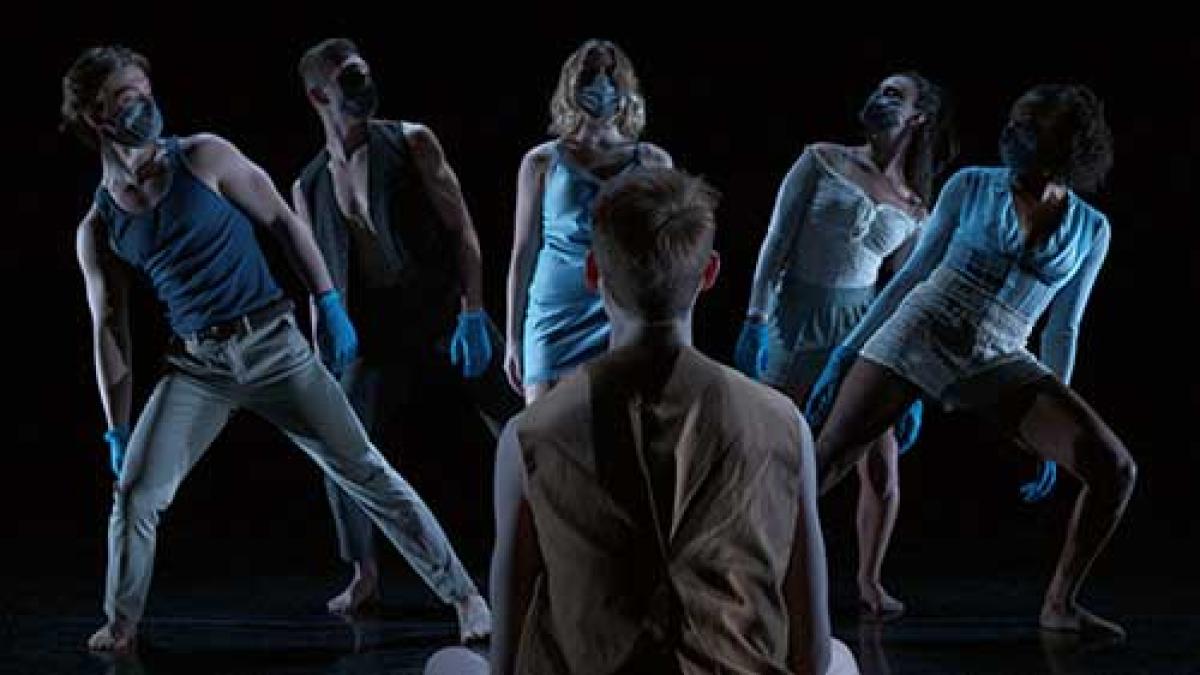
<point x="1119" y="474"/>
<point x="1126" y="473"/>
<point x="139" y="504"/>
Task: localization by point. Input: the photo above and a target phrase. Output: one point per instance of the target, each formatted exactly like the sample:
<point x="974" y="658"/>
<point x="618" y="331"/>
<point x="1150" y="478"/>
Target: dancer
<point x="554" y="323"/>
<point x="179" y="211"/>
<point x="1002" y="247"/>
<point x="843" y="216"/>
<point x="389" y="218"/>
<point x="655" y="509"/>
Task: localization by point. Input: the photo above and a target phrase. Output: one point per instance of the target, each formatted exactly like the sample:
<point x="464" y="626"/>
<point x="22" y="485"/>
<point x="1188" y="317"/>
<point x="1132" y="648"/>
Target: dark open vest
<point x="413" y="239"/>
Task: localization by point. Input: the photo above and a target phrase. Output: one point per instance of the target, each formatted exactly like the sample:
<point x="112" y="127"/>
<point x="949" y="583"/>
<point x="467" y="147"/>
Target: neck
<point x="629" y="330"/>
<point x="123" y="162"/>
<point x="1040" y="187"/>
<point x="597" y="136"/>
<point x="344" y="135"/>
<point x="889" y="150"/>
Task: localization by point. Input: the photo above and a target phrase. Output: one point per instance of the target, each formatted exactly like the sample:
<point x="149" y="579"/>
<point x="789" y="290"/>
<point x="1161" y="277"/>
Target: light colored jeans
<point x="272" y="372"/>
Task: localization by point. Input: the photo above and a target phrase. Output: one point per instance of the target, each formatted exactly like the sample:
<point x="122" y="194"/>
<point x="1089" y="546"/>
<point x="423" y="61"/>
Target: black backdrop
<point x="737" y="109"/>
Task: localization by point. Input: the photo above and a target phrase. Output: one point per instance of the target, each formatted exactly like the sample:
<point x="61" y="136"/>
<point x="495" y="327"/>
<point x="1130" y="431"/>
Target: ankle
<point x="366" y="571"/>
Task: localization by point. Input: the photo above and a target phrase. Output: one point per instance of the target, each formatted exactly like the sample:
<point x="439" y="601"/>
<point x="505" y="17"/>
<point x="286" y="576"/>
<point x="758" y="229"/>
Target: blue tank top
<point x="197" y="248"/>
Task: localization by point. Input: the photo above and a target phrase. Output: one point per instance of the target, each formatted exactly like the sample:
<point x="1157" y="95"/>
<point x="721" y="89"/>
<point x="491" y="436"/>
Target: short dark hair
<point x="652" y="238"/>
<point x="83" y="81"/>
<point x="1083" y="152"/>
<point x="315" y="65"/>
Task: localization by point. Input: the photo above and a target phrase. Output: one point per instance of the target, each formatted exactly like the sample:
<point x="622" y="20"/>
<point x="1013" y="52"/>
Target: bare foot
<point x="474" y="619"/>
<point x="875" y="604"/>
<point x="110" y="639"/>
<point x="362" y="591"/>
<point x="1075" y="619"/>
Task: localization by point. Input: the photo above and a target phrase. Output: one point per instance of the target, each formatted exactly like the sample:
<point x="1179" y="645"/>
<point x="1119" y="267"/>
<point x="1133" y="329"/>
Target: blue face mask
<point x="598" y="98"/>
<point x="880" y="113"/>
<point x="360" y="98"/>
<point x="1019" y="147"/>
<point x="136" y="125"/>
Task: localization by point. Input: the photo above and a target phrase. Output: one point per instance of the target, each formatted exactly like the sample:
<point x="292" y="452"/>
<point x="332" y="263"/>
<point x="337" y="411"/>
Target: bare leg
<point x="878" y="505"/>
<point x="878" y="496"/>
<point x="1052" y="421"/>
<point x="869" y="402"/>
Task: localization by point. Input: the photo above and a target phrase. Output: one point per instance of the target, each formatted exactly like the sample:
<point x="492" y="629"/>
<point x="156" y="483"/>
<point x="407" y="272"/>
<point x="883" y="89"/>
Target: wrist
<point x="327" y="299"/>
<point x="118" y="432"/>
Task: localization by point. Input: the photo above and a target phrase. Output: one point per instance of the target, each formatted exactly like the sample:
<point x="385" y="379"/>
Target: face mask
<point x="880" y="113"/>
<point x="136" y="125"/>
<point x="598" y="98"/>
<point x="1018" y="147"/>
<point x="359" y="96"/>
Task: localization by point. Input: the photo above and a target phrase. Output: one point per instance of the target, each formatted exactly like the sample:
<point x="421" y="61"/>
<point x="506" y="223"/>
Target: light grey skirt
<point x="957" y="342"/>
<point x="807" y="322"/>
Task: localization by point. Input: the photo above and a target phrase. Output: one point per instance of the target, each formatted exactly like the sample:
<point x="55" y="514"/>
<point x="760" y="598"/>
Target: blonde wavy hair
<point x="565" y="114"/>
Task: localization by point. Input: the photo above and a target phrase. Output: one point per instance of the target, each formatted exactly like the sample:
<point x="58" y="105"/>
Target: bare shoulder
<point x="417" y="133"/>
<point x="835" y="154"/>
<point x="537" y="159"/>
<point x="208" y="155"/>
<point x="205" y="144"/>
<point x="655" y="157"/>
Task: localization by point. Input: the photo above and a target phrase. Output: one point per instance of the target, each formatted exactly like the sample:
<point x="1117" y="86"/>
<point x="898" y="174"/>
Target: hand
<point x="512" y="368"/>
<point x="1039" y="489"/>
<point x="824" y="390"/>
<point x="341" y="331"/>
<point x="118" y="442"/>
<point x="750" y="354"/>
<point x="470" y="344"/>
<point x="908" y="427"/>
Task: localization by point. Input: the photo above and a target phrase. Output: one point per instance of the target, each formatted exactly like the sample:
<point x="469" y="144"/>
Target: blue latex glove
<point x="1037" y="490"/>
<point x="470" y="345"/>
<point x="824" y="390"/>
<point x="908" y="427"/>
<point x="750" y="354"/>
<point x="118" y="441"/>
<point x="341" y="331"/>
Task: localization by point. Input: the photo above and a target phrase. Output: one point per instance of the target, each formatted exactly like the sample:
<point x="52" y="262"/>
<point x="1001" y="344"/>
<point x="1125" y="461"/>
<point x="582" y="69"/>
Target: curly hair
<point x="1081" y="152"/>
<point x="83" y="81"/>
<point x="565" y="114"/>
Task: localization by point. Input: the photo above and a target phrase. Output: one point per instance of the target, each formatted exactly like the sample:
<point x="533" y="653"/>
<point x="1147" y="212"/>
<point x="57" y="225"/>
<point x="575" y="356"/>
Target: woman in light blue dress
<point x="845" y="218"/>
<point x="554" y="322"/>
<point x="1003" y="247"/>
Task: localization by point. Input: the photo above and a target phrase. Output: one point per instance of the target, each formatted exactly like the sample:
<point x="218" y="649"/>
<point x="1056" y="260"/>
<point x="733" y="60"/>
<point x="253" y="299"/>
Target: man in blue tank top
<point x="389" y="217"/>
<point x="179" y="211"/>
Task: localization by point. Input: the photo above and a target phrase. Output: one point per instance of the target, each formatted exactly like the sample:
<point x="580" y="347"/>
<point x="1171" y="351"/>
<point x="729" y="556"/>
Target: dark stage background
<point x="737" y="109"/>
